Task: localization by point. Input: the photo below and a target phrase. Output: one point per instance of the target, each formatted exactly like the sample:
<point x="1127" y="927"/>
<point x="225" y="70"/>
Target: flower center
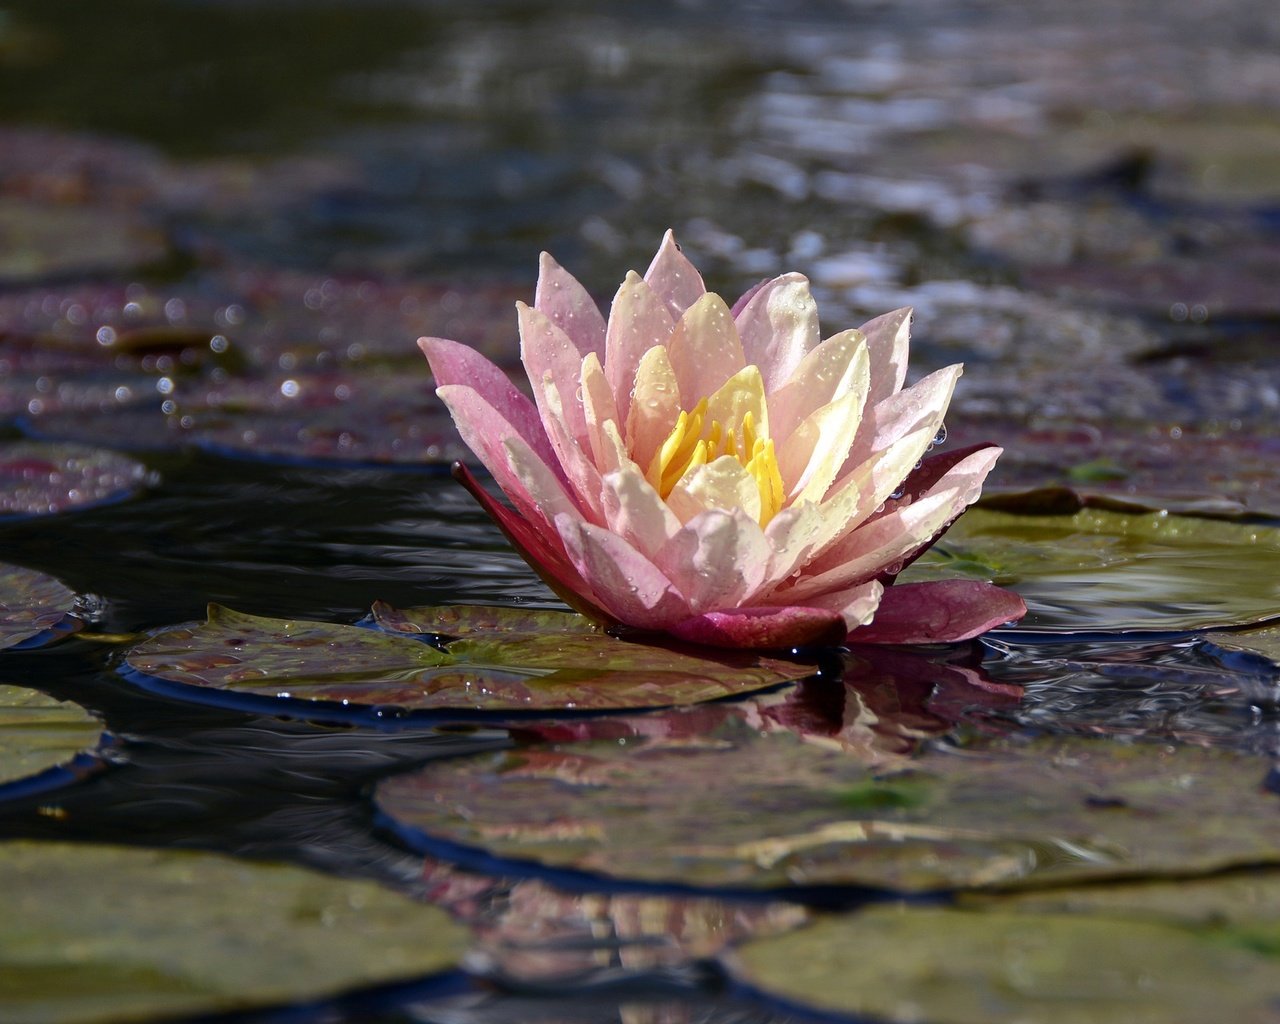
<point x="695" y="441"/>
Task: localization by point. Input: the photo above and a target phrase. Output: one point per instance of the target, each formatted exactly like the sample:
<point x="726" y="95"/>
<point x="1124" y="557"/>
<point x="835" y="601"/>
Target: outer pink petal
<point x="638" y="320"/>
<point x="888" y="339"/>
<point x="568" y="306"/>
<point x="541" y="548"/>
<point x="778" y="327"/>
<point x="747" y="296"/>
<point x="939" y="612"/>
<point x="673" y="278"/>
<point x="629" y="586"/>
<point x="762" y="628"/>
<point x="452" y="363"/>
<point x="548" y="354"/>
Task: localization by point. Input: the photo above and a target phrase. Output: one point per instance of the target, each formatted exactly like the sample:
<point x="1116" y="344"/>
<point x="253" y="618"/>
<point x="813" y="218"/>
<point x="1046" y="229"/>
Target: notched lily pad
<point x="1105" y="570"/>
<point x="735" y="808"/>
<point x="962" y="967"/>
<point x="486" y="659"/>
<point x="34" y="607"/>
<point x="38" y="478"/>
<point x="96" y="934"/>
<point x="38" y="732"/>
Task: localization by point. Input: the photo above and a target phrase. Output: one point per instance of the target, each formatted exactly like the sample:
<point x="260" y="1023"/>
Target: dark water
<point x="1080" y="202"/>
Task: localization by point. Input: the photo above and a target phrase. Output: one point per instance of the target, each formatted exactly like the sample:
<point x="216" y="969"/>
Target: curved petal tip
<point x="942" y="611"/>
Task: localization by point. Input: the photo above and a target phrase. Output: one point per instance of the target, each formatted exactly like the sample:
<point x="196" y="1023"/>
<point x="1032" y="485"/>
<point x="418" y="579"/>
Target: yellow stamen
<point x="693" y="442"/>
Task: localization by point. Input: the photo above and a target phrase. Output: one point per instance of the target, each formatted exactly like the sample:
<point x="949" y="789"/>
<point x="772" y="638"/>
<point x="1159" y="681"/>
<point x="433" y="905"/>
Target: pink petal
<point x="778" y="327"/>
<point x="704" y="349"/>
<point x="762" y="628"/>
<point x="717" y="560"/>
<point x="567" y="305"/>
<point x="747" y="296"/>
<point x="836" y="367"/>
<point x="629" y="586"/>
<point x="635" y="511"/>
<point x="905" y="412"/>
<point x="549" y="355"/>
<point x="542" y="549"/>
<point x="638" y="321"/>
<point x="888" y="339"/>
<point x="942" y="611"/>
<point x="673" y="278"/>
<point x="452" y="363"/>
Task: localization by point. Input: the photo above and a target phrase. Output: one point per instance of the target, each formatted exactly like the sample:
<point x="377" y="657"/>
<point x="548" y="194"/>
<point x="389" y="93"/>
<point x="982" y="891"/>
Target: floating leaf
<point x="37" y="478"/>
<point x="1264" y="641"/>
<point x="493" y="659"/>
<point x="1102" y="570"/>
<point x="96" y="933"/>
<point x="1000" y="967"/>
<point x="38" y="732"/>
<point x="738" y="808"/>
<point x="32" y="605"/>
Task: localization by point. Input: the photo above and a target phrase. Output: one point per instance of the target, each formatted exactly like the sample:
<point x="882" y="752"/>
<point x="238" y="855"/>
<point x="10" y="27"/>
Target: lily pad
<point x="95" y="933"/>
<point x="735" y="808"/>
<point x="32" y="606"/>
<point x="38" y="732"/>
<point x="489" y="659"/>
<point x="999" y="967"/>
<point x="37" y="478"/>
<point x="1100" y="570"/>
<point x="1264" y="641"/>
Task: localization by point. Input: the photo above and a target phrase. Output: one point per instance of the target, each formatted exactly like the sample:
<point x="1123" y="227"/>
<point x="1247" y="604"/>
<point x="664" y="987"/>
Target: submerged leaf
<point x="737" y="808"/>
<point x="493" y="659"/>
<point x="97" y="933"/>
<point x="38" y="732"/>
<point x="1105" y="570"/>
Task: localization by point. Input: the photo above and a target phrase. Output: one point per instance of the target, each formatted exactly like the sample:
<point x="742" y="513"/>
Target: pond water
<point x="222" y="228"/>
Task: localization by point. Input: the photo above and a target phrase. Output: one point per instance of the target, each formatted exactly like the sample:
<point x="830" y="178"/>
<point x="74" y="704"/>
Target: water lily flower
<point x="718" y="473"/>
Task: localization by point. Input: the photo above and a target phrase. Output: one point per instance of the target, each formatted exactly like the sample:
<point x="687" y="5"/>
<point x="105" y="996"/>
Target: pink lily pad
<point x="738" y="808"/>
<point x="38" y="478"/>
<point x="32" y="606"/>
<point x="487" y="659"/>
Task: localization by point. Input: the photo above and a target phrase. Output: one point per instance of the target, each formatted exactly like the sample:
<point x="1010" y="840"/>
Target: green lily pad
<point x="1264" y="641"/>
<point x="1104" y="570"/>
<point x="38" y="732"/>
<point x="31" y="604"/>
<point x="736" y="808"/>
<point x="999" y="967"/>
<point x="491" y="659"/>
<point x="95" y="933"/>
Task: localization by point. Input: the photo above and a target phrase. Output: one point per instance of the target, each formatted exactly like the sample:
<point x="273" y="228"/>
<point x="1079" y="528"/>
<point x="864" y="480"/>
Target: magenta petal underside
<point x="941" y="611"/>
<point x="544" y="556"/>
<point x="762" y="628"/>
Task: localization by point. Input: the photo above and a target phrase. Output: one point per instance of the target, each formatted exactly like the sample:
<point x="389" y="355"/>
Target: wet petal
<point x="629" y="586"/>
<point x="924" y="402"/>
<point x="635" y="511"/>
<point x="778" y="327"/>
<point x="655" y="406"/>
<point x="762" y="628"/>
<point x="741" y="395"/>
<point x="704" y="349"/>
<point x="724" y="484"/>
<point x="638" y="321"/>
<point x="856" y="605"/>
<point x="718" y="559"/>
<point x="839" y="366"/>
<point x="567" y="305"/>
<point x="939" y="612"/>
<point x="452" y="363"/>
<point x="549" y="356"/>
<point x="673" y="278"/>
<point x="598" y="409"/>
<point x="817" y="449"/>
<point x="888" y="339"/>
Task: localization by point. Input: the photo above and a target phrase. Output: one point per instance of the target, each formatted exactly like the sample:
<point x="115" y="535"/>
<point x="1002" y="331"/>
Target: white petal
<point x="638" y="321"/>
<point x="634" y="510"/>
<point x="888" y="339"/>
<point x="810" y="458"/>
<point x="723" y="484"/>
<point x="717" y="560"/>
<point x="704" y="349"/>
<point x="655" y="407"/>
<point x="838" y="366"/>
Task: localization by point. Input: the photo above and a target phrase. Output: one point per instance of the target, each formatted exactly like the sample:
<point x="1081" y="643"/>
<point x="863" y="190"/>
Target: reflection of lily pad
<point x="103" y="934"/>
<point x="736" y="808"/>
<point x="961" y="967"/>
<point x="508" y="660"/>
<point x="38" y="732"/>
<point x="31" y="605"/>
<point x="1101" y="570"/>
<point x="38" y="478"/>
